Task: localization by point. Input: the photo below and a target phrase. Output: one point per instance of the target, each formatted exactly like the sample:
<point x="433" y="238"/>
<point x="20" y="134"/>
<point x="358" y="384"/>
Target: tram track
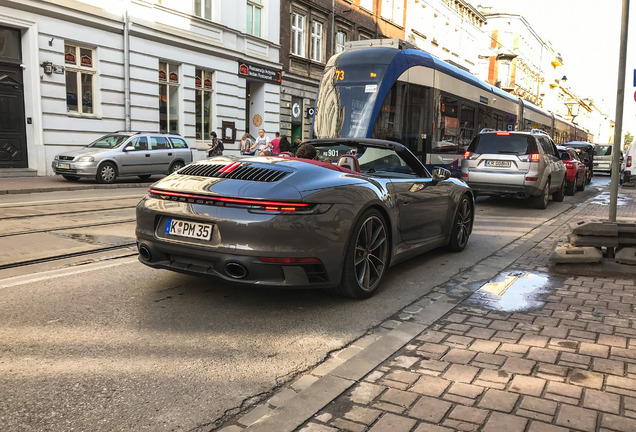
<point x="60" y="232"/>
<point x="71" y="255"/>
<point x="65" y="228"/>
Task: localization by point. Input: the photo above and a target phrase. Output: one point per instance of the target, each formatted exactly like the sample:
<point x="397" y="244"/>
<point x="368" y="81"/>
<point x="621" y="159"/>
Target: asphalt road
<point x="103" y="343"/>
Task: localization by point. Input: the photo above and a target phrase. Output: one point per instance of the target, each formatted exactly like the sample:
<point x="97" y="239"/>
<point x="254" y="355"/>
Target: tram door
<point x="418" y="120"/>
<point x="13" y="145"/>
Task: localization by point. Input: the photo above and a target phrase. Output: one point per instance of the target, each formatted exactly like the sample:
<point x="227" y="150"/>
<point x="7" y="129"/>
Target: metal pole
<point x="620" y="96"/>
<point x="127" y="116"/>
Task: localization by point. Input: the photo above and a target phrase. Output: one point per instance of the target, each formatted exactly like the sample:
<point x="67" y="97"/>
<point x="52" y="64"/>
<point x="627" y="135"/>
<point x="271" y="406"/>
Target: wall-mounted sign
<point x="311" y="111"/>
<point x="259" y="72"/>
<point x="257" y="120"/>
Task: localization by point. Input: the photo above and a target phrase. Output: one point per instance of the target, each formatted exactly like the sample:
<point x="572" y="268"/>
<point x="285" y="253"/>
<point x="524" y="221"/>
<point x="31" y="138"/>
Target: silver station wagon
<point x="124" y="154"/>
<point x="519" y="164"/>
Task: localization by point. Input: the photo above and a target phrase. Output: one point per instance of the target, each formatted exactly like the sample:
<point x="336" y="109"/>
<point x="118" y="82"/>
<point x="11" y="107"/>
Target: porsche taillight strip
<point x="281" y="206"/>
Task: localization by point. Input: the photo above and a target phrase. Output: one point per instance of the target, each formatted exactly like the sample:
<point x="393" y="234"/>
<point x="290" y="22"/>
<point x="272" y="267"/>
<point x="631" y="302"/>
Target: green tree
<point x="628" y="140"/>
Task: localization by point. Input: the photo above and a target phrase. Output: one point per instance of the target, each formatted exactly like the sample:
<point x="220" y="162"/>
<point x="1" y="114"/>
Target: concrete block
<point x="593" y="240"/>
<point x="567" y="253"/>
<point x="596" y="229"/>
<point x="626" y="255"/>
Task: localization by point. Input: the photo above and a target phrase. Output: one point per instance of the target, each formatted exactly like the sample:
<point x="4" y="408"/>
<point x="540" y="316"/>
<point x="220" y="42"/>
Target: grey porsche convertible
<point x="337" y="222"/>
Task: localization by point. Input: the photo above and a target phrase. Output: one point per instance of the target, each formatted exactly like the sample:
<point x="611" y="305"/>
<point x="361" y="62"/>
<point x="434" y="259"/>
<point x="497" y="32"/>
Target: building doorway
<point x="13" y="145"/>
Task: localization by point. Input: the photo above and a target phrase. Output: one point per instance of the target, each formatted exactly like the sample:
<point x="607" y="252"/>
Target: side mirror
<point x="129" y="148"/>
<point x="440" y="174"/>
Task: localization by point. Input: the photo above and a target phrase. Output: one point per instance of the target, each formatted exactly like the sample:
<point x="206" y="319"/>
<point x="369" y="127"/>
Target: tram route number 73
<point x="339" y="75"/>
<point x="188" y="229"/>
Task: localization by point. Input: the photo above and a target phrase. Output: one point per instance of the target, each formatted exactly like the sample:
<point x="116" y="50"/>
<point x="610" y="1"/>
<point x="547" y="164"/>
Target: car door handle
<point x="169" y="154"/>
<point x="147" y="154"/>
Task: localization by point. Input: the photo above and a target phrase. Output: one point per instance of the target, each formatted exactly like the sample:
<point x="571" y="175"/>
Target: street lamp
<point x="573" y="110"/>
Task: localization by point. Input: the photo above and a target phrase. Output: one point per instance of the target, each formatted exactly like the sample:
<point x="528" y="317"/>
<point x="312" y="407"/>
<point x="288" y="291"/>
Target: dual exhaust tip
<point x="232" y="269"/>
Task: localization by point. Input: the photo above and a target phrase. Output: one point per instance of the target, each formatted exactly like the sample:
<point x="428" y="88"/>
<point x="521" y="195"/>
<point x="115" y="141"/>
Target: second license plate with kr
<point x="182" y="228"/>
<point x="498" y="163"/>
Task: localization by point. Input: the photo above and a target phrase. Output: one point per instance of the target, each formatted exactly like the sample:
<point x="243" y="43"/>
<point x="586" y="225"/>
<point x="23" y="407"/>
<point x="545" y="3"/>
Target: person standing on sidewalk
<point x="276" y="144"/>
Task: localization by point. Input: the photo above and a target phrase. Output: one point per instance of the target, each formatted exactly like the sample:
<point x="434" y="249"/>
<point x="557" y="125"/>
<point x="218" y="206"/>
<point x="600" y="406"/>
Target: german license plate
<point x="498" y="163"/>
<point x="189" y="229"/>
<point x="63" y="165"/>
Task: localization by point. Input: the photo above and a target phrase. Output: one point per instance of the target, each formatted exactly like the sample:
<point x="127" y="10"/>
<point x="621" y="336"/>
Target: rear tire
<point x="106" y="173"/>
<point x="367" y="257"/>
<point x="176" y="166"/>
<point x="560" y="194"/>
<point x="571" y="188"/>
<point x="541" y="201"/>
<point x="462" y="226"/>
<point x="582" y="185"/>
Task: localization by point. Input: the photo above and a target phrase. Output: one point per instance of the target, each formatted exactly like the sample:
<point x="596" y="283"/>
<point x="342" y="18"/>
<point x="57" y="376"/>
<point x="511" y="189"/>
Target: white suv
<point x="520" y="164"/>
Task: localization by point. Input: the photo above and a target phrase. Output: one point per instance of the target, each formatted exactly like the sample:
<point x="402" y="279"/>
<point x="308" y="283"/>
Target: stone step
<point x="17" y="172"/>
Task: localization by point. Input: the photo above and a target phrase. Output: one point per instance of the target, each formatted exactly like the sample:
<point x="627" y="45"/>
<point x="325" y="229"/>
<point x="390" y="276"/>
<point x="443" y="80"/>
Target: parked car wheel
<point x="367" y="256"/>
<point x="71" y="177"/>
<point x="571" y="188"/>
<point x="106" y="173"/>
<point x="541" y="201"/>
<point x="581" y="186"/>
<point x="560" y="194"/>
<point x="462" y="226"/>
<point x="176" y="166"/>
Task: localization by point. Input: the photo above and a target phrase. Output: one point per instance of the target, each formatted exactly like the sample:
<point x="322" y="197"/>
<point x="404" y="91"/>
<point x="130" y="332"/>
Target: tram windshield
<point x="346" y="100"/>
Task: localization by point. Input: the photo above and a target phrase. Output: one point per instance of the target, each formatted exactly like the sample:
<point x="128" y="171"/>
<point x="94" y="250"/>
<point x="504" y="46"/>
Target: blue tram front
<point x="394" y="92"/>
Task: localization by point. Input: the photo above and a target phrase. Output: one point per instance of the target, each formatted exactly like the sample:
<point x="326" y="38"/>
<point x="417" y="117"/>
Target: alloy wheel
<point x="371" y="252"/>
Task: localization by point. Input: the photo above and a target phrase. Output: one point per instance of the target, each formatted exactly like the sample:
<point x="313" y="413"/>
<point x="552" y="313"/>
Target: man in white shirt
<point x="262" y="143"/>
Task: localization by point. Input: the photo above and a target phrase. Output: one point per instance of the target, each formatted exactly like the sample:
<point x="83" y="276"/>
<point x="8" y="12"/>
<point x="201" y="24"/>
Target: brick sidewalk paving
<point x="569" y="364"/>
<point x="563" y="360"/>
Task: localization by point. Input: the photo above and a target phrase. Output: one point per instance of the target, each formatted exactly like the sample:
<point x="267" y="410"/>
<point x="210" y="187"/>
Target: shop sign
<point x="87" y="61"/>
<point x="259" y="72"/>
<point x="69" y="58"/>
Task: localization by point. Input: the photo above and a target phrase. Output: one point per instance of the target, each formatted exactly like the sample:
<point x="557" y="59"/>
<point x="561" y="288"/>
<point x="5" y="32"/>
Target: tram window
<point x="467" y="125"/>
<point x="449" y="126"/>
<point x="389" y="124"/>
<point x="485" y="118"/>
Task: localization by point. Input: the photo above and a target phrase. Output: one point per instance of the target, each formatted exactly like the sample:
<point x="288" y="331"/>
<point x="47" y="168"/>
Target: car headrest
<point x="350" y="162"/>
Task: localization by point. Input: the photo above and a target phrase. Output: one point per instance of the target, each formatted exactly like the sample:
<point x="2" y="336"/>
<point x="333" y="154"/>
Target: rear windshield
<point x="503" y="144"/>
<point x="603" y="150"/>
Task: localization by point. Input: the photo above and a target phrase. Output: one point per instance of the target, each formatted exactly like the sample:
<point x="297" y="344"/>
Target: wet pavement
<point x="508" y="345"/>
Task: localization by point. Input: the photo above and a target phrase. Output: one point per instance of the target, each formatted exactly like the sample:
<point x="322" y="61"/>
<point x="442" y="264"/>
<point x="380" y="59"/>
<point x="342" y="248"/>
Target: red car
<point x="576" y="170"/>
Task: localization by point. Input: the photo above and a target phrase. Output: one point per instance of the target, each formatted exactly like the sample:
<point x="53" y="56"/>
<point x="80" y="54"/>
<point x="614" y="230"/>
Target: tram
<point x="388" y="89"/>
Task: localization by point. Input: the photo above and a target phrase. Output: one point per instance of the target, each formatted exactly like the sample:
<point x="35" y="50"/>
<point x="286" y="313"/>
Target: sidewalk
<point x="554" y="353"/>
<point x="22" y="185"/>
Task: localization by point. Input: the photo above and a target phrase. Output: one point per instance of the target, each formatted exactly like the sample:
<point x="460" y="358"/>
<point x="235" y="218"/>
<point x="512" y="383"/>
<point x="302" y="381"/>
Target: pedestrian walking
<point x="215" y="146"/>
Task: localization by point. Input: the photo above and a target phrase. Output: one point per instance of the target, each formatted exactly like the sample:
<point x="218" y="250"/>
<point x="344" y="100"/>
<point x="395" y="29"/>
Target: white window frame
<point x="204" y="91"/>
<point x="341" y="39"/>
<point x="298" y="34"/>
<point x="170" y="87"/>
<point x="252" y="7"/>
<point x="316" y="41"/>
<point x="367" y="5"/>
<point x="78" y="69"/>
<point x="393" y="10"/>
<point x="202" y="8"/>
